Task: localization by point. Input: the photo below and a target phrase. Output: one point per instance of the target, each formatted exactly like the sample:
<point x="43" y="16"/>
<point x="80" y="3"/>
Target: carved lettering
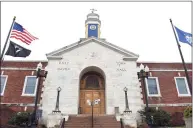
<point x="63" y="69"/>
<point x="119" y="63"/>
<point x="121" y="69"/>
<point x="64" y="62"/>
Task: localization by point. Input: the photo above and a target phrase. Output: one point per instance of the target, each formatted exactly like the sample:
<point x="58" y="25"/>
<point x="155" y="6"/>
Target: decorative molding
<point x="32" y="73"/>
<point x="130" y="58"/>
<point x="157" y="62"/>
<point x="169" y="70"/>
<point x="19" y="104"/>
<point x="93" y="39"/>
<point x="25" y="61"/>
<point x="150" y="74"/>
<point x="55" y="57"/>
<point x="175" y="104"/>
<point x="24" y="69"/>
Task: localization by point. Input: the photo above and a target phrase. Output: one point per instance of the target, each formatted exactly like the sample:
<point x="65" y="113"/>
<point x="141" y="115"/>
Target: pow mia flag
<point x="16" y="50"/>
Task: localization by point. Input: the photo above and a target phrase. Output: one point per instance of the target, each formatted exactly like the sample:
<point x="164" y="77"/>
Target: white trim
<point x="87" y="40"/>
<point x="158" y="88"/>
<point x="25" y="61"/>
<point x="4" y="86"/>
<point x="55" y="57"/>
<point x="175" y="104"/>
<point x="169" y="70"/>
<point x="182" y="95"/>
<point x="159" y="62"/>
<point x="130" y="58"/>
<point x="23" y="69"/>
<point x="19" y="104"/>
<point x="24" y="87"/>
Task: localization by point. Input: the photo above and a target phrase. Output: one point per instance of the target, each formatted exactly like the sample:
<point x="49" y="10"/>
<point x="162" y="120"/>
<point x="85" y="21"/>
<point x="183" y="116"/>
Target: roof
<point x="127" y="54"/>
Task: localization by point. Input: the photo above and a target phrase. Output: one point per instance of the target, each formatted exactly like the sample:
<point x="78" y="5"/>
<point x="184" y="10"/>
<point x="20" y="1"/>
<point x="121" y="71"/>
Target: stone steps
<point x="99" y="121"/>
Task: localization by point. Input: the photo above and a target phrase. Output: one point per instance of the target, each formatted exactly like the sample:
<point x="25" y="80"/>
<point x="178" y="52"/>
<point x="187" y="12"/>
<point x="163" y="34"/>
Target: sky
<point x="140" y="27"/>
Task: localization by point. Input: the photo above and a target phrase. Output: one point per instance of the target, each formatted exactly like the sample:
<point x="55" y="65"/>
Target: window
<point x="30" y="86"/>
<point x="182" y="86"/>
<point x="3" y="83"/>
<point x="153" y="86"/>
<point x="92" y="82"/>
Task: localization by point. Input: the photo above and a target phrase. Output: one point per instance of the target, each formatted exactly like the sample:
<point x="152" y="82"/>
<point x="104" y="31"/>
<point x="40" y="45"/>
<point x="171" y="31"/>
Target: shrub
<point x="177" y="119"/>
<point x="21" y="118"/>
<point x="156" y="117"/>
<point x="188" y="112"/>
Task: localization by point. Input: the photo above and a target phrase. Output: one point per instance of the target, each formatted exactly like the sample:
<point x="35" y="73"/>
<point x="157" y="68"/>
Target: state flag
<point x="184" y="37"/>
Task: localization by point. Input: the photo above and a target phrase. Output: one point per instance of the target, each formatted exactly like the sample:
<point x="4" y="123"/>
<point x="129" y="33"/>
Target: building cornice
<point x="14" y="68"/>
<point x="25" y="61"/>
<point x="172" y="104"/>
<point x="159" y="62"/>
<point x="169" y="70"/>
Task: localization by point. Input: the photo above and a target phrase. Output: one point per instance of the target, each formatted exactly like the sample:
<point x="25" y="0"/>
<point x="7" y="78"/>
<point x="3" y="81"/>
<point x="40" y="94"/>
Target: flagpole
<point x="2" y="54"/>
<point x="184" y="65"/>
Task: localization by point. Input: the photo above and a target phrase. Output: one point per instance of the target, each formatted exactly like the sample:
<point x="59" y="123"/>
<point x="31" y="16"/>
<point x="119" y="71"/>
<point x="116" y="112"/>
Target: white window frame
<point x="6" y="77"/>
<point x="24" y="87"/>
<point x="182" y="95"/>
<point x="158" y="88"/>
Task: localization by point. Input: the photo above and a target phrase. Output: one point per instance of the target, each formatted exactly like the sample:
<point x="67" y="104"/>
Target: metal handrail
<point x="121" y="121"/>
<point x="62" y="123"/>
<point x="92" y="113"/>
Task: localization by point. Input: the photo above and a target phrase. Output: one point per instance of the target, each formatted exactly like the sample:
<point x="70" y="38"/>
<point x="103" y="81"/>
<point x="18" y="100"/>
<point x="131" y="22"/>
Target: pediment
<point x="127" y="55"/>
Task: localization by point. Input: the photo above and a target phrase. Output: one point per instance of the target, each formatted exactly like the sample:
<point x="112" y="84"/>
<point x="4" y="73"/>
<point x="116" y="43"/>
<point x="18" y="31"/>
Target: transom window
<point x="153" y="86"/>
<point x="92" y="81"/>
<point x="3" y="83"/>
<point x="30" y="86"/>
<point x="182" y="86"/>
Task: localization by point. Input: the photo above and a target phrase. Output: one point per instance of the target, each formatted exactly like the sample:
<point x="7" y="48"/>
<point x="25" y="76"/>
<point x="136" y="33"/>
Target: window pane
<point x="152" y="86"/>
<point x="2" y="82"/>
<point x="29" y="89"/>
<point x="92" y="82"/>
<point x="181" y="86"/>
<point x="30" y="85"/>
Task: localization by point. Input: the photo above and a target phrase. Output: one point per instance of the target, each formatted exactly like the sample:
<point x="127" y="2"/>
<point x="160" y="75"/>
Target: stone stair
<point x="85" y="121"/>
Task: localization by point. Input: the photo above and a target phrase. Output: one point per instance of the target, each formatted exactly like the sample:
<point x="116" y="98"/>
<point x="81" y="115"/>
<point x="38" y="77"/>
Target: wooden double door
<point x="92" y="88"/>
<point x="92" y="95"/>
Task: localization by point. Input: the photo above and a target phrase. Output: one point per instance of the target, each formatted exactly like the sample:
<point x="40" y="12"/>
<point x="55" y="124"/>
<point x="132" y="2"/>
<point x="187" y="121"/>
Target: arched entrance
<point x="92" y="87"/>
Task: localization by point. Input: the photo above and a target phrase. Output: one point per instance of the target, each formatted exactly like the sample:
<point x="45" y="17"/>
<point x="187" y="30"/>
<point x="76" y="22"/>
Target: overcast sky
<point x="142" y="27"/>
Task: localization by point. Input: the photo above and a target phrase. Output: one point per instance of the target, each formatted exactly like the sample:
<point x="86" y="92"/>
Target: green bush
<point x="19" y="119"/>
<point x="188" y="112"/>
<point x="156" y="117"/>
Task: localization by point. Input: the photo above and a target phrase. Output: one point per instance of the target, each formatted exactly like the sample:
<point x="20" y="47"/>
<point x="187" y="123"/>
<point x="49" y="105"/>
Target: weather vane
<point x="93" y="10"/>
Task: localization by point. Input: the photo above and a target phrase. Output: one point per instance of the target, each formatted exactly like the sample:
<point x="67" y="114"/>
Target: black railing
<point x="62" y="123"/>
<point x="121" y="121"/>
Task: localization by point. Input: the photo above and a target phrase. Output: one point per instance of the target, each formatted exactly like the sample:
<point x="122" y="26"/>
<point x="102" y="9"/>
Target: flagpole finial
<point x="14" y="17"/>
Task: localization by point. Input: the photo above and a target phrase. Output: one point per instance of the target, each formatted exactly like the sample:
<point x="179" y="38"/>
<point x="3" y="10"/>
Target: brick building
<point x="93" y="69"/>
<point x="164" y="92"/>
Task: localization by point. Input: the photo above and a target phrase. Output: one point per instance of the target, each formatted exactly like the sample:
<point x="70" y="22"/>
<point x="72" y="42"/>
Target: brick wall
<point x="168" y="90"/>
<point x="15" y="81"/>
<point x="169" y="94"/>
<point x="14" y="87"/>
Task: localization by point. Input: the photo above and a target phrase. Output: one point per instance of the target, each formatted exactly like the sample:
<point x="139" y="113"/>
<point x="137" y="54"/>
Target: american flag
<point x="20" y="33"/>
